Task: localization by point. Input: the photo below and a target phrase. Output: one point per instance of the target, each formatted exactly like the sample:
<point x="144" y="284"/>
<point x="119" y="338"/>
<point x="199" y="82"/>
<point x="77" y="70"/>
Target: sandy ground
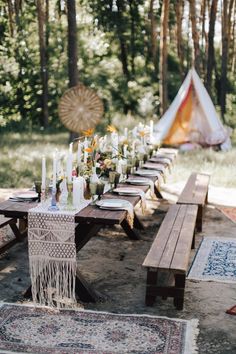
<point x="112" y="263"/>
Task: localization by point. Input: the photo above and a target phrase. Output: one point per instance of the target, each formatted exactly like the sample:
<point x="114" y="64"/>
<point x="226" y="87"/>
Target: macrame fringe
<point x="53" y="282"/>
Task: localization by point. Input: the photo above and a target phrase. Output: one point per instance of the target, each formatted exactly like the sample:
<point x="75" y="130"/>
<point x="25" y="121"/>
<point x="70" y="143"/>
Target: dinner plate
<point x="31" y="195"/>
<point x="112" y="204"/>
<point x="155" y="167"/>
<point x="127" y="191"/>
<point x="138" y="181"/>
<point x="28" y="197"/>
<point x="147" y="173"/>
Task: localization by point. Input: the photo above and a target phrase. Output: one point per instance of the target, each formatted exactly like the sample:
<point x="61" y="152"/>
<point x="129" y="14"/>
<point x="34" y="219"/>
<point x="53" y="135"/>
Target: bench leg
<point x="199" y="218"/>
<point x="193" y="241"/>
<point x="179" y="283"/>
<point x="151" y="281"/>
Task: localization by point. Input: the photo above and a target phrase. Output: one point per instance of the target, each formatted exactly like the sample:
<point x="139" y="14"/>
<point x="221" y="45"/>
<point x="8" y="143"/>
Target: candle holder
<point x="53" y="206"/>
<point x="70" y="196"/>
<point x="43" y="194"/>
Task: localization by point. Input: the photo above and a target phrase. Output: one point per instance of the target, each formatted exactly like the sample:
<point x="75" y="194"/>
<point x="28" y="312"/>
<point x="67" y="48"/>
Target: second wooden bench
<point x="196" y="192"/>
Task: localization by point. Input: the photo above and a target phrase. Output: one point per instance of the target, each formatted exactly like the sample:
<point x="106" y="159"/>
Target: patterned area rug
<point x="215" y="260"/>
<point x="29" y="329"/>
<point x="229" y="212"/>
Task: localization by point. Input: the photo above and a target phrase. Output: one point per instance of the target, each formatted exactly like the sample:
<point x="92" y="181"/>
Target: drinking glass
<point x="93" y="190"/>
<point x="112" y="176"/>
<point x="37" y="185"/>
<point x="140" y="157"/>
<point x="117" y="179"/>
<point x="124" y="170"/>
<point x="100" y="189"/>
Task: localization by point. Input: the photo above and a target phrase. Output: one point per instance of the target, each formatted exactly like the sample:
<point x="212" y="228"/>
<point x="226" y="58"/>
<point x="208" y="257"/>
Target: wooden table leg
<point x="138" y="223"/>
<point x="84" y="291"/>
<point x="151" y="281"/>
<point x="84" y="232"/>
<point x="157" y="192"/>
<point x="129" y="231"/>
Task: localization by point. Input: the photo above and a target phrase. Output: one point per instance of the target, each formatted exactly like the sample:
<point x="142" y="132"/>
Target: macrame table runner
<point x="52" y="255"/>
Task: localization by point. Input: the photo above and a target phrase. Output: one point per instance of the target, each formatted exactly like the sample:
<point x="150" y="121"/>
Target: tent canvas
<point x="192" y="117"/>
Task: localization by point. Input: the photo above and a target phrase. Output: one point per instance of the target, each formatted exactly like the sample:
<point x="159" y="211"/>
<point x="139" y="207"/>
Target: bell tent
<point x="192" y="118"/>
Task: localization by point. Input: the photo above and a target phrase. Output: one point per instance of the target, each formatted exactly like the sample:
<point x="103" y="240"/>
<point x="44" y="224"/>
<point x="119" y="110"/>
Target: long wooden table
<point x="87" y="223"/>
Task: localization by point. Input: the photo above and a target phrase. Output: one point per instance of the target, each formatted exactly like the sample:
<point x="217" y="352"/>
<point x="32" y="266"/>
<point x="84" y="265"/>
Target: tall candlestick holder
<point x="70" y="196"/>
<point x="43" y="195"/>
<point x="53" y="206"/>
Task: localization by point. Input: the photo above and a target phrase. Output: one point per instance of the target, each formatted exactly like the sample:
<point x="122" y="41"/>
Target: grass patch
<point x="21" y="156"/>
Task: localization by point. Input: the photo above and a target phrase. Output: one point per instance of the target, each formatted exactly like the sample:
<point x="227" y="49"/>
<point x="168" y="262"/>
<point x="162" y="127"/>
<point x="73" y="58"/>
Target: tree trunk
<point x="195" y="35"/>
<point x="204" y="37"/>
<point x="153" y="36"/>
<point x="121" y="37"/>
<point x="43" y="61"/>
<point x="10" y="15"/>
<point x="179" y="10"/>
<point x="163" y="56"/>
<point x="72" y="44"/>
<point x="211" y="49"/>
<point x="233" y="53"/>
<point x="224" y="58"/>
<point x="132" y="39"/>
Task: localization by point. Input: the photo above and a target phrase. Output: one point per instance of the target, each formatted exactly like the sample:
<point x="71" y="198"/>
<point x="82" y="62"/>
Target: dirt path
<point x="112" y="263"/>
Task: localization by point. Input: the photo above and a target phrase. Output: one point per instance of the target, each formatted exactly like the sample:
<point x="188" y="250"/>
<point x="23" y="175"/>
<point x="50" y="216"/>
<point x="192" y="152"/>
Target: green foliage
<point x="103" y="26"/>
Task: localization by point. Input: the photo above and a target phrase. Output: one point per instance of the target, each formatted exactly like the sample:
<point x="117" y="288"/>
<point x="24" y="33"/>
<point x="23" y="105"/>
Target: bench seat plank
<point x="153" y="258"/>
<point x="181" y="255"/>
<point x="171" y="244"/>
<point x="195" y="190"/>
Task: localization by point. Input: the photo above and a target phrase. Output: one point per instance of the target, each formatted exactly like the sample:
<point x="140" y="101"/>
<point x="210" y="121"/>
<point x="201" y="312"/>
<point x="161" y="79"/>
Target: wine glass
<point x="93" y="190"/>
<point x="100" y="189"/>
<point x="140" y="157"/>
<point x="37" y="185"/>
<point x="117" y="179"/>
<point x="124" y="170"/>
<point x="112" y="176"/>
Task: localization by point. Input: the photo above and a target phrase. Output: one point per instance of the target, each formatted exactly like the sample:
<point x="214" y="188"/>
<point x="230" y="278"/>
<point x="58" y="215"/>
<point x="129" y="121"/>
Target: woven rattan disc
<point x="80" y="108"/>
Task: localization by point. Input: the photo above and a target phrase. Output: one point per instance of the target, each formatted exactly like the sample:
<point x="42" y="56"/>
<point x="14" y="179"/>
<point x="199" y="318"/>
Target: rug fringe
<point x="191" y="337"/>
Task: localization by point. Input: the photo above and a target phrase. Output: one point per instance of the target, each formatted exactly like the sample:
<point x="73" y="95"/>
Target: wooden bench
<point x="7" y="244"/>
<point x="168" y="258"/>
<point x="196" y="192"/>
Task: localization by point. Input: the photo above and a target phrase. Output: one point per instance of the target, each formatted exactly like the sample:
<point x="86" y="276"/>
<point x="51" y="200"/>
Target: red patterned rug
<point x="230" y="212"/>
<point x="231" y="311"/>
<point x="27" y="329"/>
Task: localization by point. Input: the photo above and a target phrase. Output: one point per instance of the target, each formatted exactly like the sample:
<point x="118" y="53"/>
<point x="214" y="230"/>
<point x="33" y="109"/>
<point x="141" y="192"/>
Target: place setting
<point x="30" y="196"/>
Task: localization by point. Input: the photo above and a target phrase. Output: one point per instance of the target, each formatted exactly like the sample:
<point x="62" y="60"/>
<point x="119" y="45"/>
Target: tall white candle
<point x="85" y="152"/>
<point x="151" y="126"/>
<point x="71" y="148"/>
<point x="69" y="164"/>
<point x="125" y="150"/>
<point x="79" y="153"/>
<point x="126" y="132"/>
<point x="43" y="186"/>
<point x="54" y="173"/>
<point x="151" y="130"/>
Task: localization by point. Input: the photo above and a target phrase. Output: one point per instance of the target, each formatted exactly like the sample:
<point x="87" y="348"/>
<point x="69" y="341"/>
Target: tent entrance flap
<point x="179" y="131"/>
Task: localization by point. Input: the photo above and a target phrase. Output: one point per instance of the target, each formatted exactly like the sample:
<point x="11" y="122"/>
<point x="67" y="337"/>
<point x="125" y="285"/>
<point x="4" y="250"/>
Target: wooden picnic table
<point x="88" y="222"/>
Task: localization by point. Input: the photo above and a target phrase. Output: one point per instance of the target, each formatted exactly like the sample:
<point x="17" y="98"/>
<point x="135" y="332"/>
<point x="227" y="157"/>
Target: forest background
<point x="134" y="53"/>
